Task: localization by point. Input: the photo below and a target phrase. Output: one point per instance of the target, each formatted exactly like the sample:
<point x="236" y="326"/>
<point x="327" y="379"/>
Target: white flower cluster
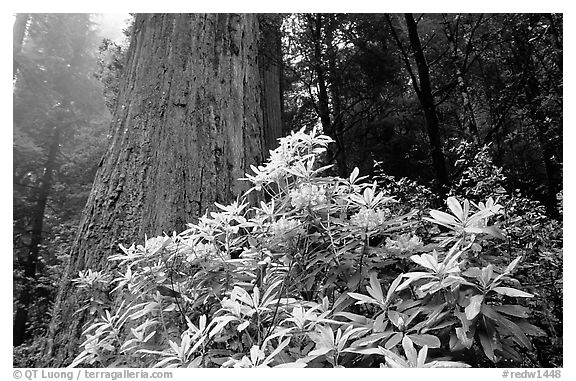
<point x="404" y="243"/>
<point x="369" y="218"/>
<point x="286" y="228"/>
<point x="308" y="195"/>
<point x="296" y="148"/>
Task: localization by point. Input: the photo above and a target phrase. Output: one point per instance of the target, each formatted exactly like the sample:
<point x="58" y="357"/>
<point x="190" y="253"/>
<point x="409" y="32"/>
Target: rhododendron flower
<point x="370" y="218"/>
<point x="404" y="243"/>
<point x="308" y="195"/>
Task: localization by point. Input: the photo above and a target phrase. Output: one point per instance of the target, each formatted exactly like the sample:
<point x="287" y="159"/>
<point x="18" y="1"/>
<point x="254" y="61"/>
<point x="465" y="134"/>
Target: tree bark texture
<point x="427" y="100"/>
<point x="188" y="124"/>
<point x="270" y="64"/>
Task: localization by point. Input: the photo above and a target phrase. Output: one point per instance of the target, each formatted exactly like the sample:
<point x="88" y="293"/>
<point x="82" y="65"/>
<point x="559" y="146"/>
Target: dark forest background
<point x="428" y="97"/>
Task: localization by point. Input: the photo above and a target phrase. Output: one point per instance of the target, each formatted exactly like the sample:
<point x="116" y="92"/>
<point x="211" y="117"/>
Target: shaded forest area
<point x="431" y="107"/>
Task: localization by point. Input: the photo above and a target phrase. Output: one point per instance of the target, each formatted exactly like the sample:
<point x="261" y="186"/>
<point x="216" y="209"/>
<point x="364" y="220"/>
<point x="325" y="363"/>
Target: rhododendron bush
<point x="320" y="271"/>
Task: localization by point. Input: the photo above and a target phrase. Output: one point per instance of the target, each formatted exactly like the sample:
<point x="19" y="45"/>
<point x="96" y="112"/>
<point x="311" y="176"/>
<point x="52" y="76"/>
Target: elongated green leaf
<point x="426" y="260"/>
<point x="393" y="287"/>
<point x="513" y="310"/>
<point x="276" y="351"/>
<point x="487" y="346"/>
<point x="463" y="337"/>
<point x="375" y="290"/>
<point x="442" y="218"/>
<point x="394" y="340"/>
<point x="509" y="291"/>
<point x="530" y="329"/>
<point x="358" y="319"/>
<point x="513" y="264"/>
<point x="320" y="351"/>
<point x="410" y="351"/>
<point x="425" y="340"/>
<point x="412" y="277"/>
<point x="474" y="307"/>
<point x="422" y="354"/>
<point x="455" y="208"/>
<point x="363" y="298"/>
<point x="511" y="327"/>
<point x="371" y="338"/>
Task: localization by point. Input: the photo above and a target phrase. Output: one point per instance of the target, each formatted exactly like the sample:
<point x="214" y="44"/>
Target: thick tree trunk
<point x="31" y="261"/>
<point x="427" y="100"/>
<point x="270" y="64"/>
<point x="188" y="124"/>
<point x="19" y="31"/>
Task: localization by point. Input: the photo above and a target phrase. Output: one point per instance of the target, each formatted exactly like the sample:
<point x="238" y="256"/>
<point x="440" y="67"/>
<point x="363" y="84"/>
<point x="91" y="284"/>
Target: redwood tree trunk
<point x="188" y="124"/>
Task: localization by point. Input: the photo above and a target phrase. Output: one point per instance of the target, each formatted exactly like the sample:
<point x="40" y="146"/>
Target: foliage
<point x="323" y="272"/>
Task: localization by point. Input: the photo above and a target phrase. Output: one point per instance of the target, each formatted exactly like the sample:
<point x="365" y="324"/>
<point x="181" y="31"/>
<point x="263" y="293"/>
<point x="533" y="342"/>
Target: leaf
<point x="428" y="340"/>
<point x="455" y="208"/>
<point x="422" y="357"/>
<point x="510" y="326"/>
<point x="358" y="319"/>
<point x="463" y="337"/>
<point x="394" y="340"/>
<point x="395" y="317"/>
<point x="222" y="321"/>
<point x="276" y="351"/>
<point x="375" y="290"/>
<point x="487" y="346"/>
<point x="196" y="362"/>
<point x="363" y="298"/>
<point x="371" y="338"/>
<point x="474" y="306"/>
<point x="393" y="287"/>
<point x="513" y="265"/>
<point x="243" y="326"/>
<point x="319" y="352"/>
<point x="509" y="291"/>
<point x="443" y="218"/>
<point x="409" y="350"/>
<point x="531" y="329"/>
<point x="446" y="364"/>
<point x="354" y="175"/>
<point x="412" y="277"/>
<point x="426" y="260"/>
<point x="513" y="310"/>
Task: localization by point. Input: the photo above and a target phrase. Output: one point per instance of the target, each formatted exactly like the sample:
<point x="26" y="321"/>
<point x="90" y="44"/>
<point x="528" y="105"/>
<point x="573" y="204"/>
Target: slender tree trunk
<point x="469" y="119"/>
<point x="533" y="92"/>
<point x="188" y="124"/>
<point x="31" y="261"/>
<point x="427" y="101"/>
<point x="19" y="32"/>
<point x="336" y="153"/>
<point x="553" y="171"/>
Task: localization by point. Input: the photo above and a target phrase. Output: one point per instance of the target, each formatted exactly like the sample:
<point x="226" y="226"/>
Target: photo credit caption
<point x="89" y="374"/>
<point x="536" y="374"/>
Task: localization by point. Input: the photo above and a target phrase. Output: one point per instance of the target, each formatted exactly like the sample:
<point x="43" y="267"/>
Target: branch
<point x="404" y="56"/>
